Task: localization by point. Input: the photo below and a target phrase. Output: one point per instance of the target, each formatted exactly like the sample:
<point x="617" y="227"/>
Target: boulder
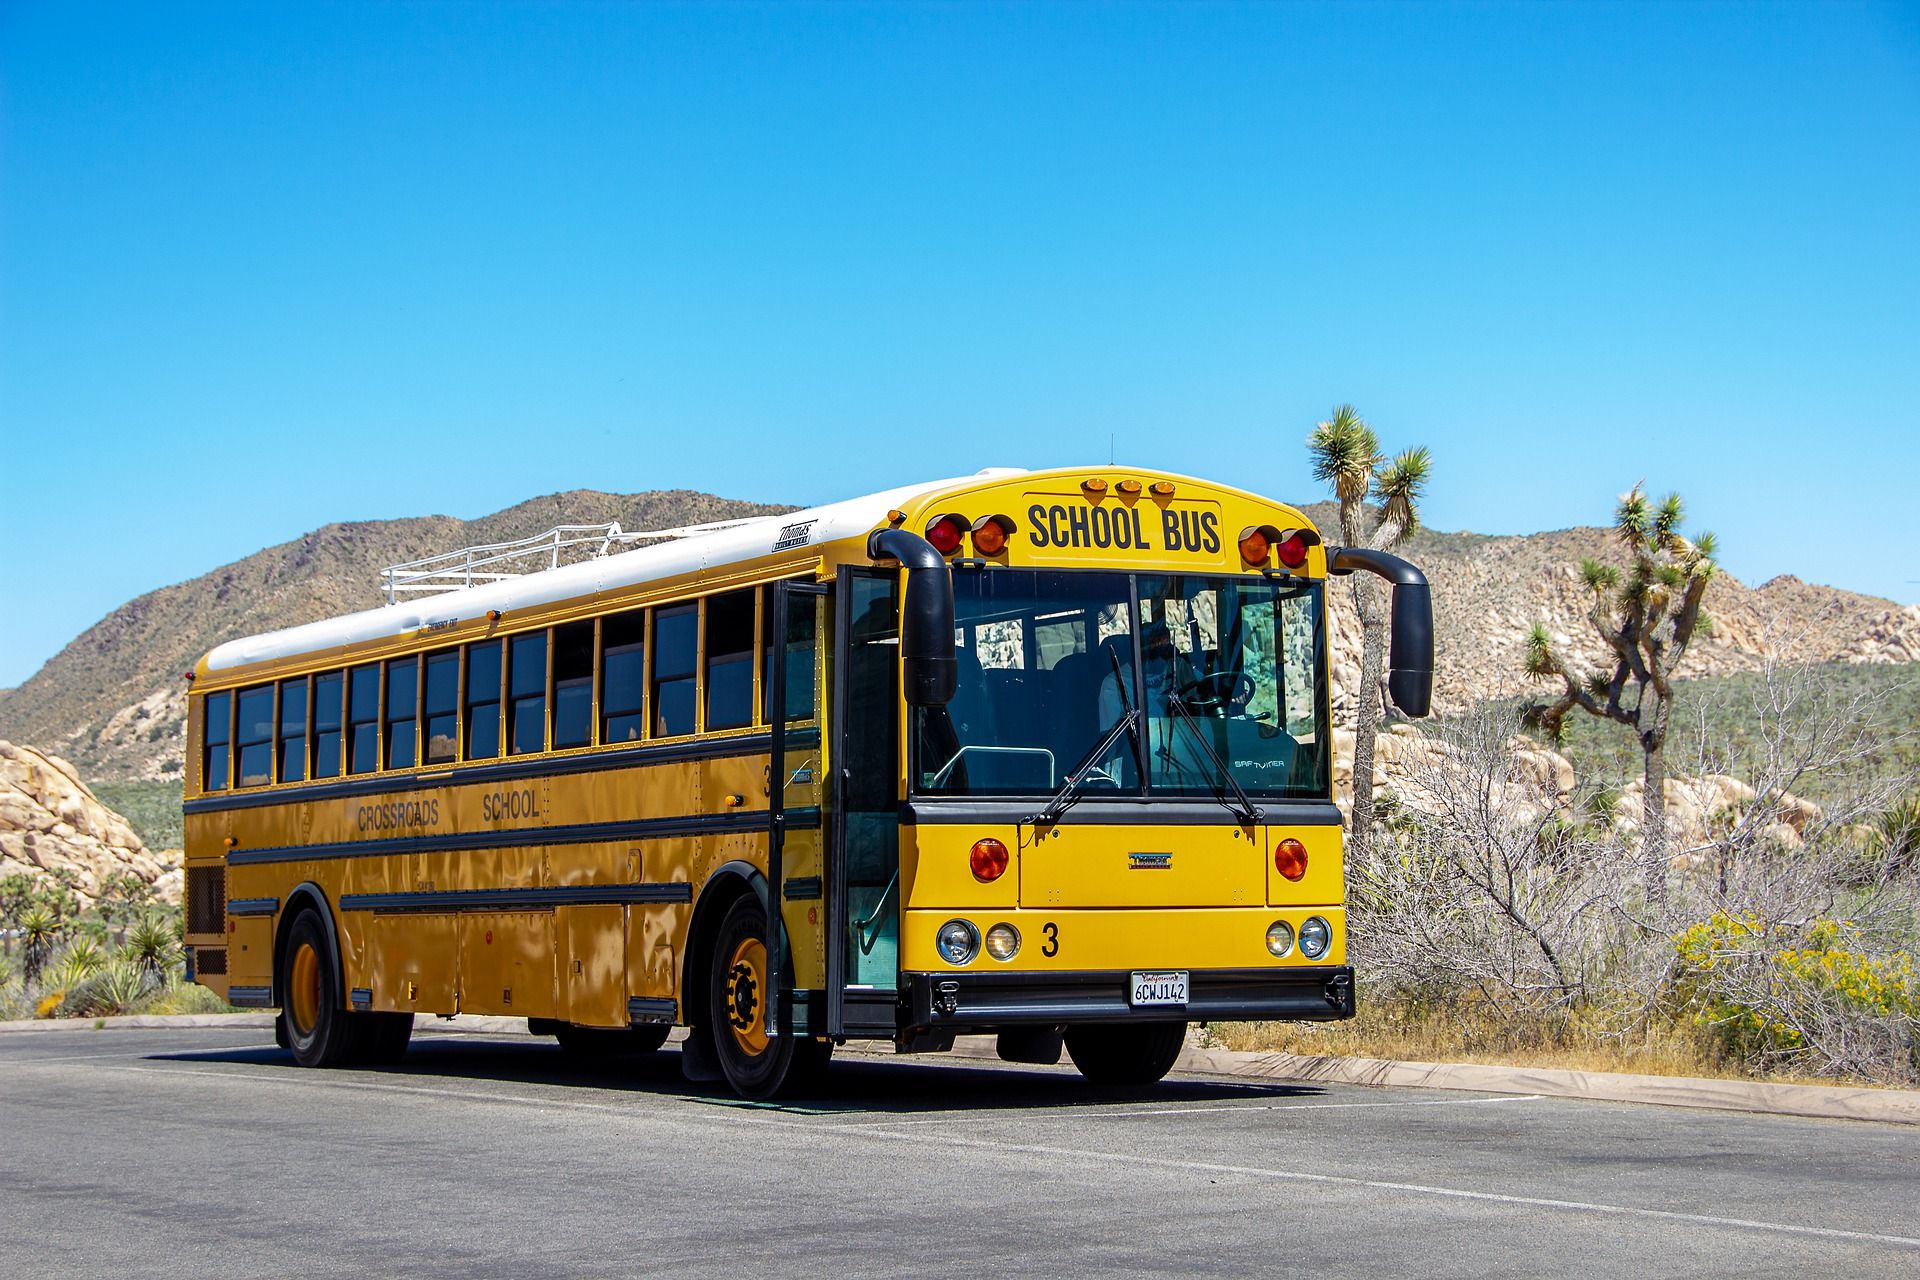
<point x="50" y="820"/>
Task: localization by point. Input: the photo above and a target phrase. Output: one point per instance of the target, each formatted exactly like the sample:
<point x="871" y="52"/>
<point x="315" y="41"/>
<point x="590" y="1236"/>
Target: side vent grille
<point x="210" y="960"/>
<point x="207" y="900"/>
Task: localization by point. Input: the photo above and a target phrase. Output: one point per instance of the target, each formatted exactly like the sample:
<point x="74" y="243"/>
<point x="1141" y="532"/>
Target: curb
<point x="1824" y="1102"/>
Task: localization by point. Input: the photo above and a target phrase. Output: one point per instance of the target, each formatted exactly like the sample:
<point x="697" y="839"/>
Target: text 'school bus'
<point x="1041" y="754"/>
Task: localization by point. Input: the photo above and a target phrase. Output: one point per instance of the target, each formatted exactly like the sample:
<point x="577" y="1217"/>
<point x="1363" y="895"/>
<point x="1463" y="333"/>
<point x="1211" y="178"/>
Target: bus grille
<point x="206" y="899"/>
<point x="209" y="960"/>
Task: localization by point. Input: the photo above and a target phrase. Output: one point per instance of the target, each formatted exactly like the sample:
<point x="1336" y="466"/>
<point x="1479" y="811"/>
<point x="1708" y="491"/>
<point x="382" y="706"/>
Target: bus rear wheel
<point x="1126" y="1053"/>
<point x="756" y="1064"/>
<point x="317" y="1029"/>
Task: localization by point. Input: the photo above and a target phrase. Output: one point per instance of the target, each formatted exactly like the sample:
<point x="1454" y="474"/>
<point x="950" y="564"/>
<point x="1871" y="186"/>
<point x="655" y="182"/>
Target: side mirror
<point x="1410" y="651"/>
<point x="926" y="616"/>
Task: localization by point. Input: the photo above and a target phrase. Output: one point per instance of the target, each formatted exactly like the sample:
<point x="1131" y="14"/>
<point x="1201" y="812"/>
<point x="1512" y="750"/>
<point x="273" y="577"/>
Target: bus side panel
<point x="414" y="963"/>
<point x="506" y="963"/>
<point x="656" y="938"/>
<point x="592" y="964"/>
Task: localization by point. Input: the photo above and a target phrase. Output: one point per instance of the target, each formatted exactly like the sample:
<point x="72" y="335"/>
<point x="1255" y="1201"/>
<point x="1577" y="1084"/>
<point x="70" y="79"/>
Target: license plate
<point x="1159" y="988"/>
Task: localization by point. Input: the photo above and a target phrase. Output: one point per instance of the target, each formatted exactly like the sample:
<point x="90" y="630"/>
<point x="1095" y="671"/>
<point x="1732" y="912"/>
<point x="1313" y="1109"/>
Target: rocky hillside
<point x="1487" y="591"/>
<point x="113" y="701"/>
<point x="50" y="820"/>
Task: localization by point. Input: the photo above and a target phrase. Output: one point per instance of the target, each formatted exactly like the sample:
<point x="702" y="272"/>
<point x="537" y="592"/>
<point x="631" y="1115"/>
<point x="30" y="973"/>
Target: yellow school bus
<point x="1045" y="755"/>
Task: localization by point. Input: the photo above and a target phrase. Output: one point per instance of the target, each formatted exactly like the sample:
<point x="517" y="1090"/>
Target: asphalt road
<point x="206" y="1153"/>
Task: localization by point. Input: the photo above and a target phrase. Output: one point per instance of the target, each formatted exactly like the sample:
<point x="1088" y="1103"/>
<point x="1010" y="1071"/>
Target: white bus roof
<point x="651" y="563"/>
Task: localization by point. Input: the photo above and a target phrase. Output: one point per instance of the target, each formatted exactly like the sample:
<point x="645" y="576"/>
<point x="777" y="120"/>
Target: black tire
<point x="786" y="1064"/>
<point x="610" y="1042"/>
<point x="383" y="1037"/>
<point x="331" y="1038"/>
<point x="1126" y="1054"/>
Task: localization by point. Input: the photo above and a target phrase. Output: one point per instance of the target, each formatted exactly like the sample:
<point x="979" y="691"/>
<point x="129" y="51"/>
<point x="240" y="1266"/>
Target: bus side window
<point x="623" y="651"/>
<point x="363" y="722"/>
<point x="797" y="653"/>
<point x="483" y="700"/>
<point x="573" y="684"/>
<point x="441" y="701"/>
<point x="293" y="731"/>
<point x="403" y="708"/>
<point x="675" y="642"/>
<point x="730" y="660"/>
<point x="527" y="693"/>
<point x="327" y="691"/>
<point x="253" y="735"/>
<point x="217" y="734"/>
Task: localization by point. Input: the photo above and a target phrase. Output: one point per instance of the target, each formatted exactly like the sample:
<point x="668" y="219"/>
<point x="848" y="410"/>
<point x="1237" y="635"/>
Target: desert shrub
<point x="153" y="944"/>
<point x="117" y="988"/>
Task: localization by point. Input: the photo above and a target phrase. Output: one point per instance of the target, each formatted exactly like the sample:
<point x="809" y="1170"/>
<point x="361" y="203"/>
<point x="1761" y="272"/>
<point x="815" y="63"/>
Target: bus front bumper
<point x="962" y="1001"/>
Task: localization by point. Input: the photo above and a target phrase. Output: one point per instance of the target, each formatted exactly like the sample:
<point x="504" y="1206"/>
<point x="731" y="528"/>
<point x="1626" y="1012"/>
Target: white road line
<point x="1413" y="1188"/>
<point x="892" y="1132"/>
<point x="1067" y="1111"/>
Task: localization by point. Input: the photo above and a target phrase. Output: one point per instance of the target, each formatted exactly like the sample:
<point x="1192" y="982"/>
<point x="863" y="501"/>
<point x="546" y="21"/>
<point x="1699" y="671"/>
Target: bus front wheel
<point x="315" y="1026"/>
<point x="756" y="1064"/>
<point x="1126" y="1054"/>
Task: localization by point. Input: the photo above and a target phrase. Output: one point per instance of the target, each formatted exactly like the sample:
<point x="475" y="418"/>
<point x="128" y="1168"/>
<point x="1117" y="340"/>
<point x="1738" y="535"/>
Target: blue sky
<point x="266" y="266"/>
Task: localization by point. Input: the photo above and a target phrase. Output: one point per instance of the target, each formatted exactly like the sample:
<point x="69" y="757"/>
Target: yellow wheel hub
<point x="303" y="989"/>
<point x="746" y="986"/>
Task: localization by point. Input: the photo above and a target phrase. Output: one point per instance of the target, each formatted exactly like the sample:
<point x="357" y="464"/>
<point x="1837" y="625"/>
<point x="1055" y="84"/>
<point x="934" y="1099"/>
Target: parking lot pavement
<point x="205" y="1152"/>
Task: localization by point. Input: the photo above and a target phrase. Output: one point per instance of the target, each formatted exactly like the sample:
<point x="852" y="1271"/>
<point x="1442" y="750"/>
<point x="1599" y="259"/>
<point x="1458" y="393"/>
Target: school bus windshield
<point x="1222" y="668"/>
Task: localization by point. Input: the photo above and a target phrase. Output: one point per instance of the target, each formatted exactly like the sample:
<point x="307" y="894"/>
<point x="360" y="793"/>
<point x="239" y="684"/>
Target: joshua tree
<point x="151" y="945"/>
<point x="39" y="927"/>
<point x="1347" y="457"/>
<point x="1646" y="620"/>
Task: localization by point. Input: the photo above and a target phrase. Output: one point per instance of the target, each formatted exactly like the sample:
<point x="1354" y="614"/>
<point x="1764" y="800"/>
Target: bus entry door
<point x="798" y="795"/>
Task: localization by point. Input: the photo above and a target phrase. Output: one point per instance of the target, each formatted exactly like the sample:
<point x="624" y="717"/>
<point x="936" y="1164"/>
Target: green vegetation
<point x="152" y="808"/>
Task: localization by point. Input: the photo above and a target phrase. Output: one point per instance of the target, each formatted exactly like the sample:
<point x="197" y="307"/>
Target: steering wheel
<point x="1222" y="689"/>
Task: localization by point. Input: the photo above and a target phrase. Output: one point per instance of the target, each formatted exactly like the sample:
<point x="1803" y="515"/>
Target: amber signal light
<point x="1254" y="546"/>
<point x="1290" y="858"/>
<point x="990" y="534"/>
<point x="988" y="857"/>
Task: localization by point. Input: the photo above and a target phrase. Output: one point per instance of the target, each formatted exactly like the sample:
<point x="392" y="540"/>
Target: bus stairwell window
<point x="440" y="702"/>
<point x="573" y="685"/>
<point x="675" y="642"/>
<point x="483" y="700"/>
<point x="527" y="693"/>
<point x="253" y="733"/>
<point x="730" y="660"/>
<point x="623" y="651"/>
<point x="215" y="741"/>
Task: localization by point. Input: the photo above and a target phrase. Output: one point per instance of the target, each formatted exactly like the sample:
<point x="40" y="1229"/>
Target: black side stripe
<point x="652" y="1009"/>
<point x="445" y="900"/>
<point x="695" y="824"/>
<point x="253" y="906"/>
<point x="250" y="997"/>
<point x="633" y="757"/>
<point x="801" y="888"/>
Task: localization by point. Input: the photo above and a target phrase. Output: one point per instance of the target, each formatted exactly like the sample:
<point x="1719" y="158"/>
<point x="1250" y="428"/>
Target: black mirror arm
<point x="1410" y="660"/>
<point x="926" y="615"/>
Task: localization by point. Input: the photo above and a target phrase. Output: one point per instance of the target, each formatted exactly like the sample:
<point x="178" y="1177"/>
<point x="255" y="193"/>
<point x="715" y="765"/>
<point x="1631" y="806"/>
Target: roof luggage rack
<point x="496" y="561"/>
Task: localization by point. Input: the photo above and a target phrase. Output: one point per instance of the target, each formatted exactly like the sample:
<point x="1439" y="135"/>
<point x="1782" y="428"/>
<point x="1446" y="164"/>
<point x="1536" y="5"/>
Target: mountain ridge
<point x="113" y="700"/>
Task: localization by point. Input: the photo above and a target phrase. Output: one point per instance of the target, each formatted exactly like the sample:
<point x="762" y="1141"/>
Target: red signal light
<point x="1290" y="858"/>
<point x="988" y="858"/>
<point x="1293" y="551"/>
<point x="945" y="532"/>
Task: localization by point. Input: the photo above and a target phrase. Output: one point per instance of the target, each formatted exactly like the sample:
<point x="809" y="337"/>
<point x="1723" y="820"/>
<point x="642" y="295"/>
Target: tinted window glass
<point x="797" y="653"/>
<point x="253" y="735"/>
<point x="293" y="730"/>
<point x="675" y="632"/>
<point x="527" y="693"/>
<point x="403" y="703"/>
<point x="730" y="660"/>
<point x="363" y="718"/>
<point x="622" y="661"/>
<point x="441" y="699"/>
<point x="327" y="691"/>
<point x="573" y="684"/>
<point x="214" y="739"/>
<point x="483" y="700"/>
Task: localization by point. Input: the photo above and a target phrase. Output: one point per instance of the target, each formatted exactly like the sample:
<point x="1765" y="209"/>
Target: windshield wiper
<point x="1069" y="794"/>
<point x="1244" y="811"/>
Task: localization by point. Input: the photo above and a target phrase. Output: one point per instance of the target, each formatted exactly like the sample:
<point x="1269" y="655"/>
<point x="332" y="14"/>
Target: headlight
<point x="1003" y="940"/>
<point x="957" y="941"/>
<point x="1316" y="936"/>
<point x="1279" y="937"/>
